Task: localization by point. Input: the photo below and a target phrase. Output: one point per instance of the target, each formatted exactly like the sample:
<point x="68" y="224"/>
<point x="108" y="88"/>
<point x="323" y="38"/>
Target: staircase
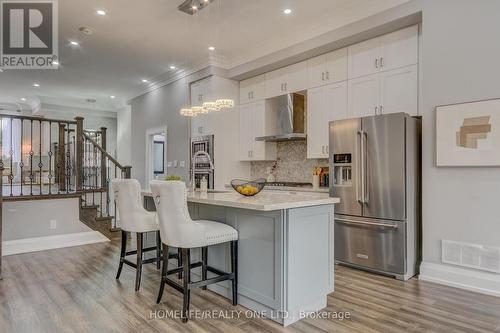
<point x="97" y="209"/>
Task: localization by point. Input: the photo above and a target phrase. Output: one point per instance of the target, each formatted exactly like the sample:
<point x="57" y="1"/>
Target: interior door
<point x="364" y="96"/>
<point x="316" y="123"/>
<point x="399" y="90"/>
<point x="345" y="143"/>
<point x="384" y="166"/>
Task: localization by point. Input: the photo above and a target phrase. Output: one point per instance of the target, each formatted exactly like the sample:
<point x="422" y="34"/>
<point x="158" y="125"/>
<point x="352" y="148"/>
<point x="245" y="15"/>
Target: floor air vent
<point x="471" y="255"/>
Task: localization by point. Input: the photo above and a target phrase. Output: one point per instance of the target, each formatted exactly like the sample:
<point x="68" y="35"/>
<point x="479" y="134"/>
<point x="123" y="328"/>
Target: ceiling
<point x="141" y="39"/>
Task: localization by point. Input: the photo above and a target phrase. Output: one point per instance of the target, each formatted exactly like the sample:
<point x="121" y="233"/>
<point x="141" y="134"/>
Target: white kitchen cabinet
<point x="399" y="90"/>
<point x="385" y="92"/>
<point x="200" y="93"/>
<point x="363" y="58"/>
<point x="253" y="119"/>
<point x="399" y="49"/>
<point x="286" y="80"/>
<point x="394" y="50"/>
<point x="324" y="104"/>
<point x="364" y="96"/>
<point x="253" y="89"/>
<point x="327" y="68"/>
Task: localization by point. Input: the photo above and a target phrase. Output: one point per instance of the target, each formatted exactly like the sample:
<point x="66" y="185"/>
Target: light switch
<point x="183" y="164"/>
<point x="169" y="164"/>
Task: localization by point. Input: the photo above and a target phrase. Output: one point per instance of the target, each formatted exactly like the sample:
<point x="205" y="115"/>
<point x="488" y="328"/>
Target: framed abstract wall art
<point x="468" y="134"/>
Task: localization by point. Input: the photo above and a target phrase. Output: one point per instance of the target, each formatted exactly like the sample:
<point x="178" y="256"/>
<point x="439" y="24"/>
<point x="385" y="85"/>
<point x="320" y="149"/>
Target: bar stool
<point x="177" y="229"/>
<point x="134" y="218"/>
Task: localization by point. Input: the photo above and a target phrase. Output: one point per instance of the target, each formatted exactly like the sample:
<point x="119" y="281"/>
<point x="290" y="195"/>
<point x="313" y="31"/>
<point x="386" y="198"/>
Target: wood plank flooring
<point x="74" y="290"/>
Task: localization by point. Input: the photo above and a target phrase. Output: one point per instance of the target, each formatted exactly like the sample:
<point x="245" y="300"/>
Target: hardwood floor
<point x="74" y="290"/>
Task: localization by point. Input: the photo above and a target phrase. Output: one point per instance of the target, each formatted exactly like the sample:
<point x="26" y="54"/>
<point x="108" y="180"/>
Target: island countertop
<point x="264" y="201"/>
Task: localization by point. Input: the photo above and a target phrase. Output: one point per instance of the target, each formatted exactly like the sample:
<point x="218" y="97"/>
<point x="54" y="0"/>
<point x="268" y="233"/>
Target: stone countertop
<point x="264" y="201"/>
<point x="290" y="188"/>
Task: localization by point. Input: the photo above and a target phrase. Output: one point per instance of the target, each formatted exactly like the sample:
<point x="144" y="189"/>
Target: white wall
<point x="28" y="219"/>
<point x="124" y="135"/>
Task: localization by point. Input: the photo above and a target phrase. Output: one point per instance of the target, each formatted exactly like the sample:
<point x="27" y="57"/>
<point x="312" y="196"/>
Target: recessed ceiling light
<point x="23" y="99"/>
<point x="55" y="63"/>
<point x="144" y="80"/>
<point x="101" y="12"/>
<point x="36" y="85"/>
<point x="194" y="8"/>
<point x="287" y="11"/>
<point x="112" y="97"/>
<point x="74" y="43"/>
<point x="211" y="48"/>
<point x="172" y="67"/>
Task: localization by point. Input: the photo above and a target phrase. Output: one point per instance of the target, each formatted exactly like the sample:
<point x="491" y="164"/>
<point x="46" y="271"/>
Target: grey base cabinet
<point x="285" y="258"/>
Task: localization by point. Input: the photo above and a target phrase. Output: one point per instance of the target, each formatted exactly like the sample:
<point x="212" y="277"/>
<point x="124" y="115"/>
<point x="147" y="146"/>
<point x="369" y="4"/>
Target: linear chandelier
<point x="207" y="107"/>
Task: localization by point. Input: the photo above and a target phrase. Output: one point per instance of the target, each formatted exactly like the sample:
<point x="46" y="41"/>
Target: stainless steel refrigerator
<point x="376" y="174"/>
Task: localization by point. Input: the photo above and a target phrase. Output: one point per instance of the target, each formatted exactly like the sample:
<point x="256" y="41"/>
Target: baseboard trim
<point x="35" y="244"/>
<point x="477" y="281"/>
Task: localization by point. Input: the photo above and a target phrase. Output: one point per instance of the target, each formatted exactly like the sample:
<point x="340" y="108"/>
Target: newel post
<point x="127" y="170"/>
<point x="79" y="153"/>
<point x="104" y="176"/>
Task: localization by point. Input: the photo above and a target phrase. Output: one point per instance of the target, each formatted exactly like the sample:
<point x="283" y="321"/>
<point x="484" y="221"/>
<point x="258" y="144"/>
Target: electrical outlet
<point x="53" y="224"/>
<point x="182" y="164"/>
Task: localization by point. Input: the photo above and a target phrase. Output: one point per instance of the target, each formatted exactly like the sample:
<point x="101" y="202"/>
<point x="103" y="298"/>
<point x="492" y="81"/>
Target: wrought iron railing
<point x="99" y="167"/>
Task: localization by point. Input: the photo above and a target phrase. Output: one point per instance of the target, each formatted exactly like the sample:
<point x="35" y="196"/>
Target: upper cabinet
<point x="324" y="104"/>
<point x="286" y="80"/>
<point x="200" y="93"/>
<point x="391" y="51"/>
<point x="327" y="68"/>
<point x="253" y="89"/>
<point x="253" y="123"/>
<point x="387" y="92"/>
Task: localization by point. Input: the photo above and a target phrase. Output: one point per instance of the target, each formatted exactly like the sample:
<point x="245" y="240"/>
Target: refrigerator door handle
<point x="371" y="224"/>
<point x="359" y="173"/>
<point x="366" y="196"/>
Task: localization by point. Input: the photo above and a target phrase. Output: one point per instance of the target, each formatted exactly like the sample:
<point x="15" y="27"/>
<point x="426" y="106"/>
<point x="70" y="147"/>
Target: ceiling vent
<point x="192" y="7"/>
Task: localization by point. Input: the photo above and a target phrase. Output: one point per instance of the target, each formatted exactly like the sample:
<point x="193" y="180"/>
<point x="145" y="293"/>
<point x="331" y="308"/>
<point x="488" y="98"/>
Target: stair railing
<point x="98" y="169"/>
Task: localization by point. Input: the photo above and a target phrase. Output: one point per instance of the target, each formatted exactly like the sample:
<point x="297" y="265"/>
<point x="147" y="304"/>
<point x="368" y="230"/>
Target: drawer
<point x="371" y="243"/>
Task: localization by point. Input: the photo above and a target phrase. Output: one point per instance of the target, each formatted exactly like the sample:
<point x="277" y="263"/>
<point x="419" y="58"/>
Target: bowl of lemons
<point x="248" y="188"/>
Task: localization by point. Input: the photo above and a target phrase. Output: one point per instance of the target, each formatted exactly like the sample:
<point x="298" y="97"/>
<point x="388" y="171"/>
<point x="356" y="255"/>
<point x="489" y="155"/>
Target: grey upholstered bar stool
<point x="177" y="229"/>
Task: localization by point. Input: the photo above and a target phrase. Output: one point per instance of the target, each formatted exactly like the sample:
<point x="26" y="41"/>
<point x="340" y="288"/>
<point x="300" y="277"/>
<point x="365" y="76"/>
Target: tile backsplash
<point x="291" y="165"/>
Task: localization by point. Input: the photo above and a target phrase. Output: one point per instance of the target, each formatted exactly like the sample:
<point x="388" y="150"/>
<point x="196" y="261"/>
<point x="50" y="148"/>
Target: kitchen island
<point x="285" y="249"/>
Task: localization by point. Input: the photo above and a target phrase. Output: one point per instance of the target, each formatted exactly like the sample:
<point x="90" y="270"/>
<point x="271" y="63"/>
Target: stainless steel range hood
<point x="289" y="118"/>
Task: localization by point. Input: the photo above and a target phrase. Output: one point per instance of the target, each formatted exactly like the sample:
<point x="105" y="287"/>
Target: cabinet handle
<point x="376" y="63"/>
<point x="381" y="109"/>
<point x="286" y="86"/>
<point x="251" y="94"/>
<point x="322" y="149"/>
<point x="381" y="62"/>
<point x="328" y="75"/>
<point x="323" y="76"/>
<point x="251" y="153"/>
<point x="376" y="110"/>
<point x="248" y="95"/>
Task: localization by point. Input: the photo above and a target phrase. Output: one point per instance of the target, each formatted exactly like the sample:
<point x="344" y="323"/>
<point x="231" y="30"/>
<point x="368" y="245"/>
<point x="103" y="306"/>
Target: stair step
<point x="104" y="218"/>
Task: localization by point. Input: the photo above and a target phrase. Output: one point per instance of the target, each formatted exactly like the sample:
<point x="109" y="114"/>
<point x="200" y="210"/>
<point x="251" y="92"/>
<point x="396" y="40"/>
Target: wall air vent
<point x="192" y="7"/>
<point x="471" y="255"/>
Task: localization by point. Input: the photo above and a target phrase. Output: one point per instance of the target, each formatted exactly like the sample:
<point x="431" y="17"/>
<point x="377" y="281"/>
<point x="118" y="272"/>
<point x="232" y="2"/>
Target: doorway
<point x="156" y="154"/>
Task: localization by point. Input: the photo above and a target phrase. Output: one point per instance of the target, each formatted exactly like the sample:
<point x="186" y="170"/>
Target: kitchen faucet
<point x="193" y="166"/>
